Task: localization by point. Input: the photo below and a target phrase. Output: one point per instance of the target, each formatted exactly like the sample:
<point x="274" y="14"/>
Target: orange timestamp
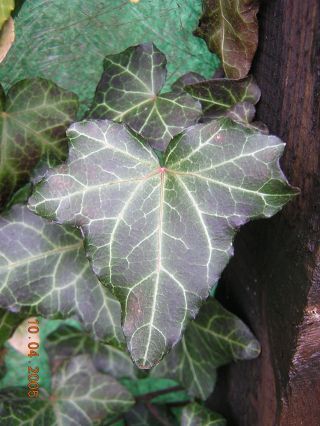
<point x="33" y="346"/>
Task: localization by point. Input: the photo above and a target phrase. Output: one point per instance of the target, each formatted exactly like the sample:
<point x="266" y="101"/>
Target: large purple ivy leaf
<point x="44" y="271"/>
<point x="230" y="29"/>
<point x="160" y="235"/>
<point x="129" y="91"/>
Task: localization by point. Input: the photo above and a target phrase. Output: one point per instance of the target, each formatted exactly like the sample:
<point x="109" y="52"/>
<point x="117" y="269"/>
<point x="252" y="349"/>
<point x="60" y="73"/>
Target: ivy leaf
<point x="7" y="36"/>
<point x="46" y="273"/>
<point x="186" y="80"/>
<point x="80" y="394"/>
<point x="197" y="415"/>
<point x="129" y="91"/>
<point x="67" y="342"/>
<point x="161" y="235"/>
<point x="68" y="48"/>
<point x="216" y="337"/>
<point x="244" y="114"/>
<point x="8" y="322"/>
<point x="6" y="7"/>
<point x="33" y="120"/>
<point x="230" y="29"/>
<point x="140" y="415"/>
<point x="219" y="95"/>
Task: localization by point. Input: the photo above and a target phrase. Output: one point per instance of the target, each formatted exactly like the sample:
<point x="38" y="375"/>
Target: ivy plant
<point x="121" y="214"/>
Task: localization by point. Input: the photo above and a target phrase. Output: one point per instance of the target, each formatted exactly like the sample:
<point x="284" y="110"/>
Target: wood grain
<point x="273" y="282"/>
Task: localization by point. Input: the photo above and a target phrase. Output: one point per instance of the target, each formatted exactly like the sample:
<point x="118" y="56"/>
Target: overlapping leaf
<point x="197" y="415"/>
<point x="215" y="338"/>
<point x="230" y="28"/>
<point x="161" y="235"/>
<point x="80" y="395"/>
<point x="219" y="95"/>
<point x="8" y="322"/>
<point x="33" y="119"/>
<point x="6" y="7"/>
<point x="68" y="48"/>
<point x="157" y="416"/>
<point x="46" y="272"/>
<point x="67" y="342"/>
<point x="129" y="91"/>
<point x="186" y="80"/>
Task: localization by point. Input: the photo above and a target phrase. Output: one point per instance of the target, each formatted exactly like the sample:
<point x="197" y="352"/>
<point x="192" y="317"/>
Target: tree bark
<point x="273" y="281"/>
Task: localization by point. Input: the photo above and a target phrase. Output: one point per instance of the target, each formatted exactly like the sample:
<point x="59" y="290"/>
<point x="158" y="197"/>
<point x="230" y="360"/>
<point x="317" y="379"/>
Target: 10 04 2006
<point x="33" y="346"/>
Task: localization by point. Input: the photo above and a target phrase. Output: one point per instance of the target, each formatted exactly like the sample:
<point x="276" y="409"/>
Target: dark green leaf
<point x="185" y="80"/>
<point x="129" y="91"/>
<point x="218" y="96"/>
<point x="69" y="47"/>
<point x="215" y="338"/>
<point x="8" y="322"/>
<point x="160" y="236"/>
<point x="33" y="120"/>
<point x="230" y="28"/>
<point x="197" y="415"/>
<point x="141" y="415"/>
<point x="80" y="394"/>
<point x="46" y="272"/>
<point x="67" y="342"/>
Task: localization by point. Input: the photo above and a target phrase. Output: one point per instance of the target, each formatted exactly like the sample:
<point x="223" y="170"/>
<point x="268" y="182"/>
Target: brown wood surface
<point x="273" y="282"/>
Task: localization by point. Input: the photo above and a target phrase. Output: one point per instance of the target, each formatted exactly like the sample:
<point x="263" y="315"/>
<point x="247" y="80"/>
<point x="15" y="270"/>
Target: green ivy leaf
<point x="230" y="29"/>
<point x="129" y="91"/>
<point x="80" y="394"/>
<point x="67" y="342"/>
<point x="8" y="322"/>
<point x="6" y="7"/>
<point x="219" y="95"/>
<point x="186" y="80"/>
<point x="161" y="235"/>
<point x="46" y="273"/>
<point x="33" y="120"/>
<point x="69" y="47"/>
<point x="140" y="415"/>
<point x="215" y="338"/>
<point x="197" y="415"/>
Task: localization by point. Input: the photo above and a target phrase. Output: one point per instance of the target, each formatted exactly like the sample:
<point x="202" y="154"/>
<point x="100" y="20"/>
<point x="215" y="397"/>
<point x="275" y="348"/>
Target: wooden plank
<point x="273" y="282"/>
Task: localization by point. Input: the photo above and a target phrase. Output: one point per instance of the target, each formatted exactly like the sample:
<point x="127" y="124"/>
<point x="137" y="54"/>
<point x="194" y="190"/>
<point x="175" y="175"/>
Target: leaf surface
<point x="230" y="29"/>
<point x="46" y="273"/>
<point x="80" y="395"/>
<point x="6" y="7"/>
<point x="219" y="95"/>
<point x="197" y="415"/>
<point x="8" y="322"/>
<point x="129" y="91"/>
<point x="216" y="337"/>
<point x="67" y="342"/>
<point x="162" y="235"/>
<point x="33" y="120"/>
<point x="68" y="48"/>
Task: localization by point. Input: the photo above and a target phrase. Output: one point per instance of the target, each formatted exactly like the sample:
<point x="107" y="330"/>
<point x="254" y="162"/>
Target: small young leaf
<point x="6" y="7"/>
<point x="67" y="342"/>
<point x="33" y="120"/>
<point x="219" y="95"/>
<point x="216" y="337"/>
<point x="129" y="91"/>
<point x="46" y="272"/>
<point x="230" y="29"/>
<point x="68" y="48"/>
<point x="80" y="395"/>
<point x="7" y="36"/>
<point x="161" y="235"/>
<point x="197" y="415"/>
